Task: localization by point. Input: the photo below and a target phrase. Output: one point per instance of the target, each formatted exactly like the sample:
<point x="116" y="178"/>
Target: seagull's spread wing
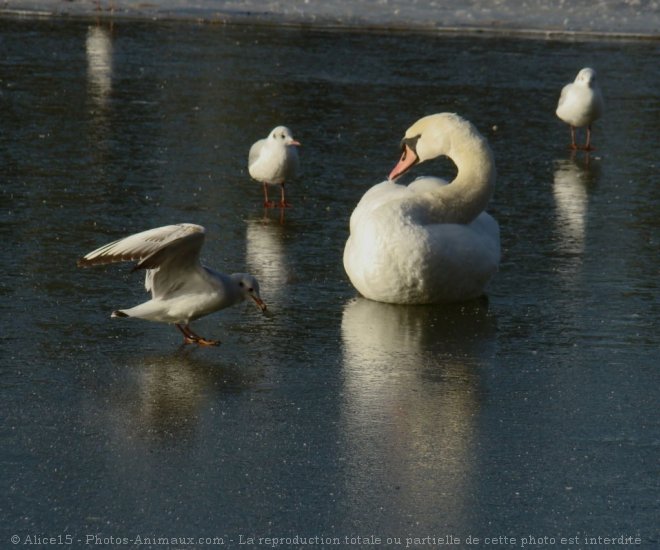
<point x="169" y="253"/>
<point x="180" y="243"/>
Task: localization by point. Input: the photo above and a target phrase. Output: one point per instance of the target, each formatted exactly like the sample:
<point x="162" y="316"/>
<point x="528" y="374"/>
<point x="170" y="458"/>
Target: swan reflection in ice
<point x="99" y="63"/>
<point x="571" y="186"/>
<point x="411" y="403"/>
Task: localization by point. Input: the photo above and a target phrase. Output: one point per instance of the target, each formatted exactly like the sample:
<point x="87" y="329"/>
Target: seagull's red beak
<point x="260" y="303"/>
<point x="294" y="142"/>
<point x="406" y="162"/>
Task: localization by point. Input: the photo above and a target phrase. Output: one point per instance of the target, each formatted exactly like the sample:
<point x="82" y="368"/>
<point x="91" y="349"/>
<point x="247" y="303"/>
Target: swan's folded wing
<point x="180" y="243"/>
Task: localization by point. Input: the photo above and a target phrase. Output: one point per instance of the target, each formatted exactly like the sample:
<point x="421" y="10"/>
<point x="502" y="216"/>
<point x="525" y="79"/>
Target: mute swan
<point x="273" y="160"/>
<point x="580" y="104"/>
<point x="429" y="242"/>
<point x="182" y="289"/>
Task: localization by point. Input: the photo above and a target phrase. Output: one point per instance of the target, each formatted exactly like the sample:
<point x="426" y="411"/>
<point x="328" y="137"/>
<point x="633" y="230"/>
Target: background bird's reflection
<point x="99" y="51"/>
<point x="572" y="179"/>
<point x="412" y="395"/>
<point x="266" y="257"/>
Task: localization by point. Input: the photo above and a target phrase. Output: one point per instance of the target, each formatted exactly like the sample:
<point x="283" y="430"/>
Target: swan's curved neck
<point x="469" y="193"/>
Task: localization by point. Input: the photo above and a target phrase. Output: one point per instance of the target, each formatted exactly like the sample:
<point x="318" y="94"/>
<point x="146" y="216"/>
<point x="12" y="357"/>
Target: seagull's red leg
<point x="188" y="337"/>
<point x="587" y="145"/>
<point x="267" y="203"/>
<point x="573" y="145"/>
<point x="283" y="203"/>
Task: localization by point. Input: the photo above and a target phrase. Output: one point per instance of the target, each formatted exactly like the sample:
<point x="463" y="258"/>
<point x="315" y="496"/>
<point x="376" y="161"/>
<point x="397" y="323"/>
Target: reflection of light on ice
<point x="410" y="396"/>
<point x="265" y="256"/>
<point x="99" y="62"/>
<point x="570" y="191"/>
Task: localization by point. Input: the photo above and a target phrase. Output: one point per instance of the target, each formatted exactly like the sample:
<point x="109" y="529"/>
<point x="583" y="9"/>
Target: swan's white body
<point x="581" y="103"/>
<point x="182" y="289"/>
<point x="430" y="241"/>
<point x="274" y="160"/>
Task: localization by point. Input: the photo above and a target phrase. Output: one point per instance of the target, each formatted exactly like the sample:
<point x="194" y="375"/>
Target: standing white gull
<point x="182" y="289"/>
<point x="273" y="160"/>
<point x="580" y="104"/>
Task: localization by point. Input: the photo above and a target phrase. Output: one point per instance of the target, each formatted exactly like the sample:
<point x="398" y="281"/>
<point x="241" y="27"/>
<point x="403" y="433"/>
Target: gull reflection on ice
<point x="163" y="397"/>
<point x="266" y="257"/>
<point x="572" y="181"/>
<point x="411" y="400"/>
<point x="99" y="63"/>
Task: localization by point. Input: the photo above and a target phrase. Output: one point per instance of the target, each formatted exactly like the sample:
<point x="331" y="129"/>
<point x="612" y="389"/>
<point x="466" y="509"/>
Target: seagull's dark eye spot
<point x="250" y="289"/>
<point x="241" y="284"/>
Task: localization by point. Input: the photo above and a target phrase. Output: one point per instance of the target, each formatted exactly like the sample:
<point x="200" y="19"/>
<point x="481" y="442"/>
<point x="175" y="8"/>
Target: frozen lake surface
<point x="530" y="414"/>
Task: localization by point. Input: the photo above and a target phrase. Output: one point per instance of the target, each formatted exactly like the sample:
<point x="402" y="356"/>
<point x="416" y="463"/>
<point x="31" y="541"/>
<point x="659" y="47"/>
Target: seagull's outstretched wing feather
<point x="170" y="254"/>
<point x="180" y="244"/>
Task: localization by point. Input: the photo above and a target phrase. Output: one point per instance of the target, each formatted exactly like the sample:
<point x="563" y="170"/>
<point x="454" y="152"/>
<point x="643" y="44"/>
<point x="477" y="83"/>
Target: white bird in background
<point x="182" y="289"/>
<point x="580" y="104"/>
<point x="431" y="241"/>
<point x="274" y="160"/>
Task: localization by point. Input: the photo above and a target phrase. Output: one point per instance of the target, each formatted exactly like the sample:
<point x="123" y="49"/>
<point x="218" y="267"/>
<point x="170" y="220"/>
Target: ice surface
<point x="609" y="17"/>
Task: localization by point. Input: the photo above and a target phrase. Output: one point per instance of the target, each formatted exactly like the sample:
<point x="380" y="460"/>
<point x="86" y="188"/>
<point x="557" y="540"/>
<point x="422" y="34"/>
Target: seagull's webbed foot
<point x="189" y="337"/>
<point x="204" y="342"/>
<point x="200" y="341"/>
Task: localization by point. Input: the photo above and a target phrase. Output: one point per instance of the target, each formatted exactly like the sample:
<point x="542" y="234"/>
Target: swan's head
<point x="427" y="139"/>
<point x="586" y="77"/>
<point x="282" y="135"/>
<point x="248" y="287"/>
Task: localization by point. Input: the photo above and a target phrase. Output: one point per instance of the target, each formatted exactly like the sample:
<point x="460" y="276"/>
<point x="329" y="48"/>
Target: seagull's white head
<point x="282" y="135"/>
<point x="587" y="77"/>
<point x="248" y="287"/>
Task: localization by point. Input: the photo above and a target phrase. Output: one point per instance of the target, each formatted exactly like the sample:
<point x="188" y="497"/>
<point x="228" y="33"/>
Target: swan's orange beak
<point x="406" y="162"/>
